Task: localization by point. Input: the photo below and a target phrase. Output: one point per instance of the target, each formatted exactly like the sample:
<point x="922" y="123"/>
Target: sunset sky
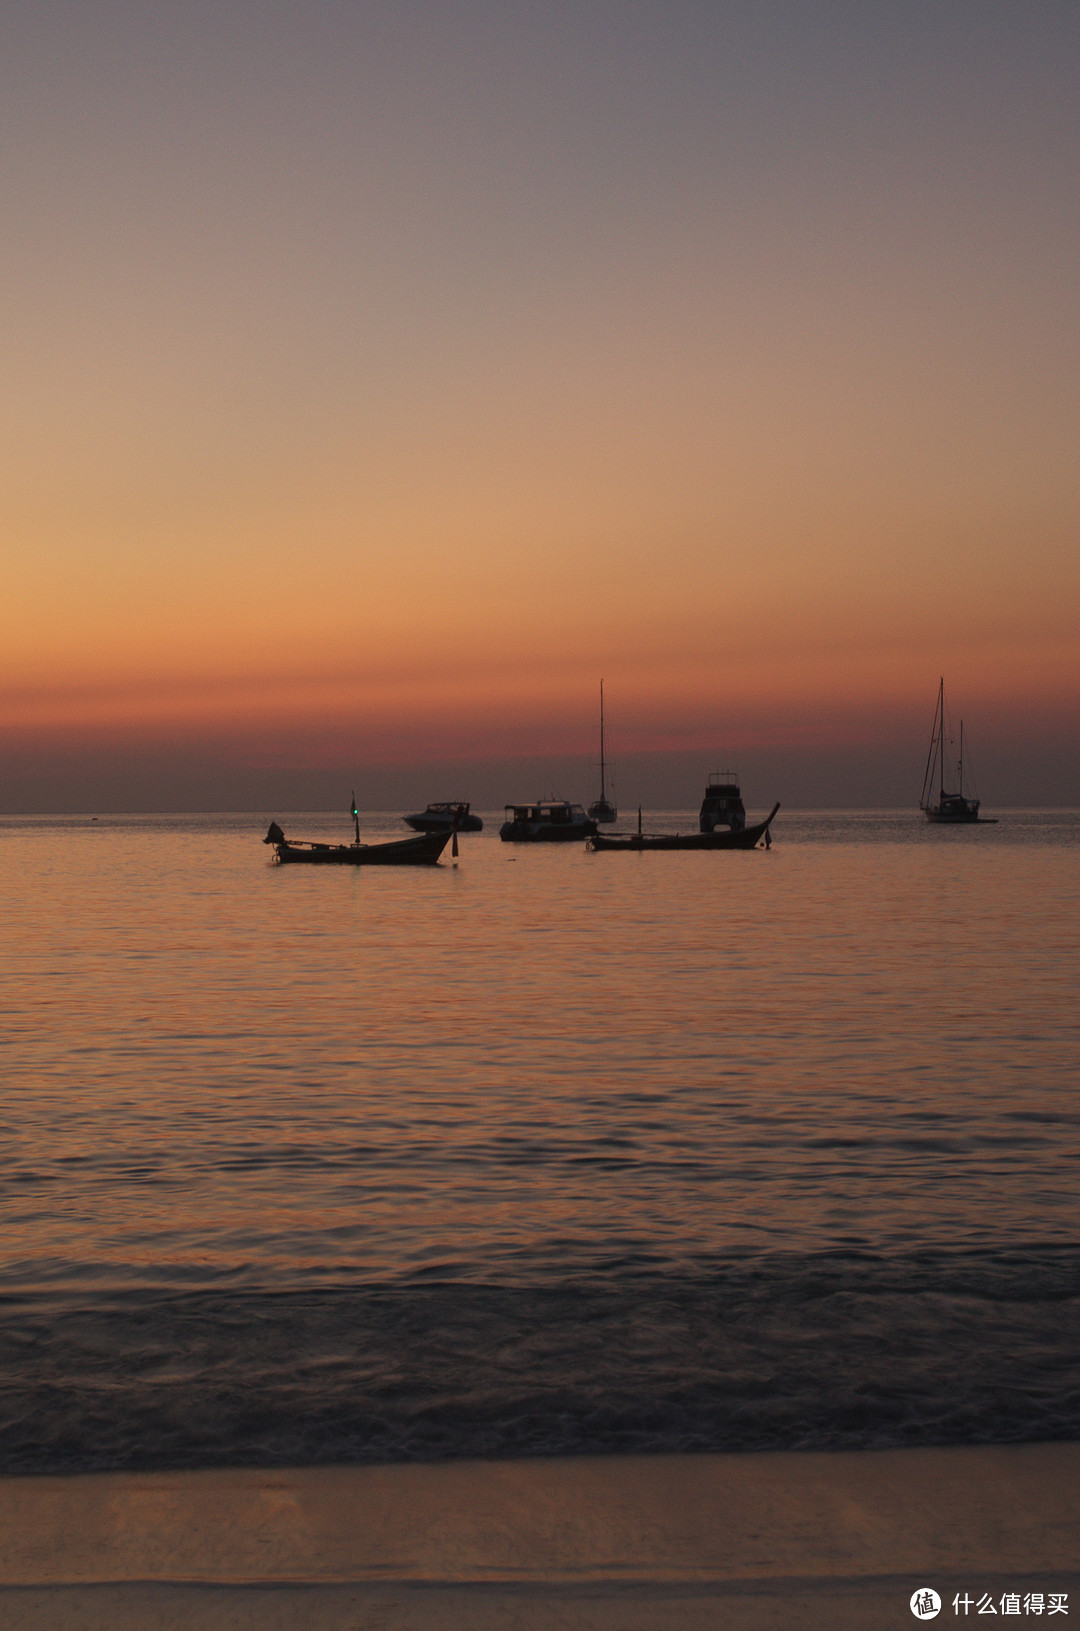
<point x="379" y="376"/>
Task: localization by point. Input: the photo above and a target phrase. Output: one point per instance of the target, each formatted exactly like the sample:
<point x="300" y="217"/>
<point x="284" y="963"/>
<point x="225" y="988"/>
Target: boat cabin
<point x="446" y="813"/>
<point x="547" y="819"/>
<point x="553" y="813"/>
<point x="722" y="805"/>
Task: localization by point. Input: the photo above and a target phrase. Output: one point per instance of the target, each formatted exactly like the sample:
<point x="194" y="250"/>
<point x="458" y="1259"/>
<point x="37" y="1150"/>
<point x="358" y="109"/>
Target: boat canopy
<point x="555" y="810"/>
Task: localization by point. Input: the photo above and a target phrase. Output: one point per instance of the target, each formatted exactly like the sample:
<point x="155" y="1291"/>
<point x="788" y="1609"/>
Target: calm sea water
<point x="542" y="1152"/>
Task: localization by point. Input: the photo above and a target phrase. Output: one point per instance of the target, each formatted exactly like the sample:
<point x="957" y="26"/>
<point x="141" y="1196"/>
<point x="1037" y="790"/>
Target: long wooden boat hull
<point x="422" y="851"/>
<point x="746" y="838"/>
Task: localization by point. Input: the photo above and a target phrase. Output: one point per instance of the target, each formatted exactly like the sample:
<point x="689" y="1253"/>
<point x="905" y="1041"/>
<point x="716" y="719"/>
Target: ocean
<point x="540" y="1153"/>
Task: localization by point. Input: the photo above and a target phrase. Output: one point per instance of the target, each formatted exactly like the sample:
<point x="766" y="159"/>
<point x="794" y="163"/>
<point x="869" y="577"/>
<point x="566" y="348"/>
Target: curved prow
<point x="762" y="831"/>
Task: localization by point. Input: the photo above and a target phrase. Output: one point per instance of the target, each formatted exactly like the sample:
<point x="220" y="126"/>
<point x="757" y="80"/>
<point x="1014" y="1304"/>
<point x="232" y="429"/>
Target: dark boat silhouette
<point x="445" y="818"/>
<point x="722" y="805"/>
<point x="733" y="838"/>
<point x="422" y="851"/>
<point x="548" y="821"/>
<point x="938" y="805"/>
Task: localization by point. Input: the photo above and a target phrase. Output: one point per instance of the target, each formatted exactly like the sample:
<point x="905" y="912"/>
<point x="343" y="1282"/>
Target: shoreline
<point x="638" y="1543"/>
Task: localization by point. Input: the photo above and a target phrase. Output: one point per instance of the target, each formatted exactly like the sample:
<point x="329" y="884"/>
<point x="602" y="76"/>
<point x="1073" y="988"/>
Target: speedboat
<point x="445" y="818"/>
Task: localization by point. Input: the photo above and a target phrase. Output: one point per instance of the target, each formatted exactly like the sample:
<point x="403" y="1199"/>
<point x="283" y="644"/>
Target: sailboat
<point x="602" y="809"/>
<point x="937" y="803"/>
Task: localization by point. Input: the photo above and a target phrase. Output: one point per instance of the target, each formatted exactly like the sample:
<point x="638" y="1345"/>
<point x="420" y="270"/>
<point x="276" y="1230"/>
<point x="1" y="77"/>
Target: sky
<point x="379" y="377"/>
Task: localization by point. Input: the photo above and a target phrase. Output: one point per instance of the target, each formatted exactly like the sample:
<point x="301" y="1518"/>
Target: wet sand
<point x="637" y="1543"/>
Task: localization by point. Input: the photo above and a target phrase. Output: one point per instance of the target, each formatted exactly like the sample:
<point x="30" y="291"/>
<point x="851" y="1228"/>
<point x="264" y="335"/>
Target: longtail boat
<point x="422" y="851"/>
<point x="734" y="838"/>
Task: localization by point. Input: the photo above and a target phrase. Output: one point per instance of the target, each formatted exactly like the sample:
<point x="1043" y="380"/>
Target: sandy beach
<point x="619" y="1544"/>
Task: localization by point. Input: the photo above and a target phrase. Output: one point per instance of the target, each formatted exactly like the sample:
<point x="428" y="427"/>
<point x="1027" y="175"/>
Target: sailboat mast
<point x="941" y="738"/>
<point x="927" y="777"/>
<point x="603" y="790"/>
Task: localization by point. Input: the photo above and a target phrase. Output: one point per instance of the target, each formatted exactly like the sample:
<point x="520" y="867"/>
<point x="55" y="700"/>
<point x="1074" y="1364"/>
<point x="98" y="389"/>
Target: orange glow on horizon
<point x="485" y="710"/>
<point x="375" y="419"/>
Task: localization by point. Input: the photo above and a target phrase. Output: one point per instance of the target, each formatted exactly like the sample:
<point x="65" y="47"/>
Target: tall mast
<point x="941" y="738"/>
<point x="926" y="797"/>
<point x="603" y="793"/>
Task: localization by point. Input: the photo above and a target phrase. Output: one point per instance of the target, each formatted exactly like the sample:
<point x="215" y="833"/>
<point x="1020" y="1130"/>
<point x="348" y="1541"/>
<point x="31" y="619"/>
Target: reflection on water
<point x="541" y="1068"/>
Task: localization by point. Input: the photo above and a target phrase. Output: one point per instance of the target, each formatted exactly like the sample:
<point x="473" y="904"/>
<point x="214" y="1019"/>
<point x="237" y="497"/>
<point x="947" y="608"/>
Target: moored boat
<point x="734" y="838"/>
<point x="548" y="821"/>
<point x="445" y="817"/>
<point x="722" y="805"/>
<point x="421" y="851"/>
<point x="945" y="765"/>
<point x="424" y="850"/>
